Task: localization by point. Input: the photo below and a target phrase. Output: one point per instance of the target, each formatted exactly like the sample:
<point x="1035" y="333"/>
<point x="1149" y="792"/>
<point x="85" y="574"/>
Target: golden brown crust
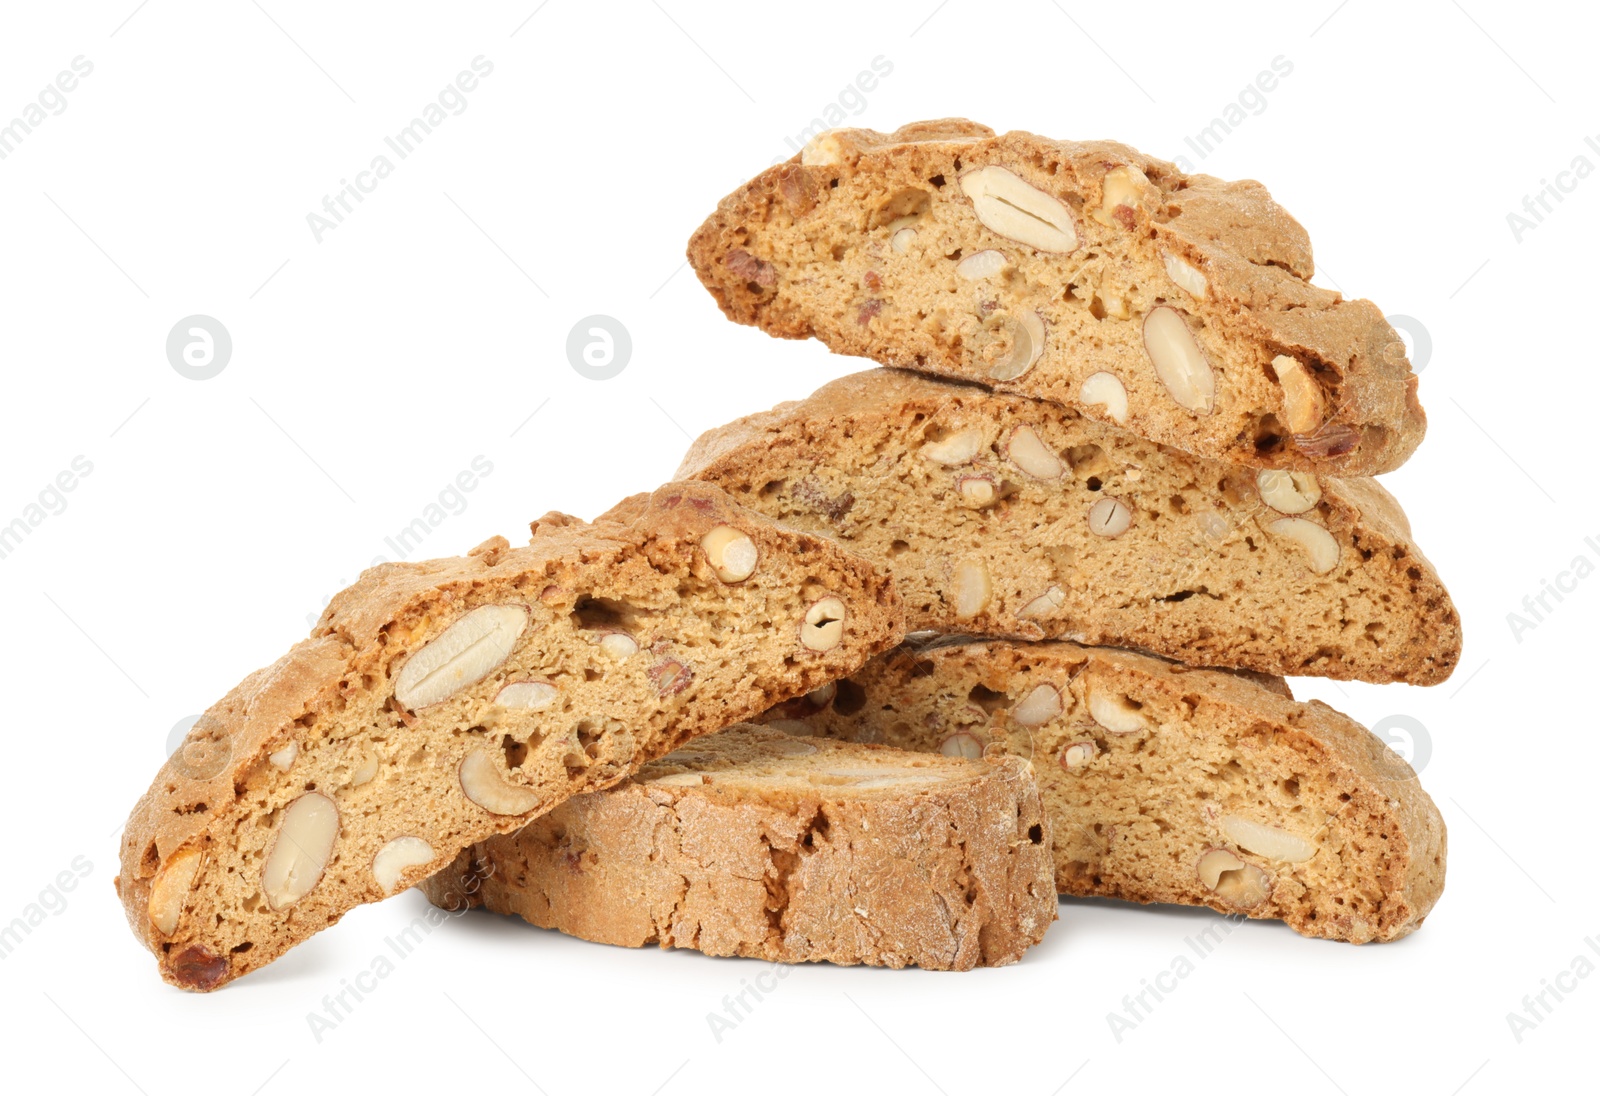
<point x="1133" y="811"/>
<point x="803" y="250"/>
<point x="753" y="843"/>
<point x="1204" y="572"/>
<point x="324" y="717"/>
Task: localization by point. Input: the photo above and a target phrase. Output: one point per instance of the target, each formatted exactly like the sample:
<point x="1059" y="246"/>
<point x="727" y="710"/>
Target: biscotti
<point x="1176" y="305"/>
<point x="1003" y="515"/>
<point x="756" y="844"/>
<point x="438" y="703"/>
<point x="1167" y="784"/>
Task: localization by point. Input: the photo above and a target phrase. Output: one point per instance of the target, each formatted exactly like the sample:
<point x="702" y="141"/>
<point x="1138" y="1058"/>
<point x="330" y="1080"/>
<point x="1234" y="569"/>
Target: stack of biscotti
<point x="1112" y="471"/>
<point x="1117" y="413"/>
<point x="438" y="703"/>
<point x="1145" y="432"/>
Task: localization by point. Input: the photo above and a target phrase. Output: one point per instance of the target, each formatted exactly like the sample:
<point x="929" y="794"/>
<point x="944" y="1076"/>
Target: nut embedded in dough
<point x="170" y="889"/>
<point x="301" y="849"/>
<point x="1110" y="517"/>
<point x="1179" y="362"/>
<point x="1272" y="842"/>
<point x="823" y="626"/>
<point x="731" y="553"/>
<point x="1288" y="492"/>
<point x="1302" y="397"/>
<point x="463" y="655"/>
<point x="1236" y="882"/>
<point x="1019" y="211"/>
<point x="394" y="858"/>
<point x="1105" y="391"/>
<point x="1027" y="452"/>
<point x="973" y="588"/>
<point x="482" y="783"/>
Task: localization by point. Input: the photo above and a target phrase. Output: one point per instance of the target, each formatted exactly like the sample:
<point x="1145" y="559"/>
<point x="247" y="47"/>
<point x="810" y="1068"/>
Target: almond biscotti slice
<point x="1166" y="784"/>
<point x="1003" y="515"/>
<point x="754" y="843"/>
<point x="438" y="703"/>
<point x="1176" y="305"/>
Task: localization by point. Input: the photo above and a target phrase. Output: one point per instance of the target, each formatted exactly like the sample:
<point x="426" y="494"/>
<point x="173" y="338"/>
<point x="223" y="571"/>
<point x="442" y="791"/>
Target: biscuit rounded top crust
<point x="1165" y="783"/>
<point x="1003" y="515"/>
<point x="751" y="842"/>
<point x="439" y="702"/>
<point x="1176" y="305"/>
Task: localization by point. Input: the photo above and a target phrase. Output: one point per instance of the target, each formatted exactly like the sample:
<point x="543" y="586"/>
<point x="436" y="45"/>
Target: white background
<point x="371" y="368"/>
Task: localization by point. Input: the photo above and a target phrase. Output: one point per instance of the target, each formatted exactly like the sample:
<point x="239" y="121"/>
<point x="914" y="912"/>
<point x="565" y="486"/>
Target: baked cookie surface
<point x="1003" y="515"/>
<point x="1168" y="784"/>
<point x="751" y="842"/>
<point x="437" y="703"/>
<point x="1179" y="306"/>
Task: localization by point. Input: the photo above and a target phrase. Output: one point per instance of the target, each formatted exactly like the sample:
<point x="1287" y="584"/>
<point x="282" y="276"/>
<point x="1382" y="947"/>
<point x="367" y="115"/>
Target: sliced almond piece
<point x="1268" y="841"/>
<point x="823" y="626"/>
<point x="1027" y="344"/>
<point x="1123" y="186"/>
<point x="670" y="676"/>
<point x="1322" y="551"/>
<point x="1178" y="360"/>
<point x="731" y="553"/>
<point x="1110" y="517"/>
<point x="482" y="783"/>
<point x="284" y="758"/>
<point x="395" y="857"/>
<point x="1104" y="390"/>
<point x="981" y="264"/>
<point x="1018" y="211"/>
<point x="1043" y="605"/>
<point x="1213" y="863"/>
<point x="1115" y="712"/>
<point x="977" y="492"/>
<point x="972" y="588"/>
<point x="1027" y="452"/>
<point x="1115" y="306"/>
<point x="1288" y="492"/>
<point x="463" y="655"/>
<point x="958" y="448"/>
<point x="1184" y="276"/>
<point x="1213" y="527"/>
<point x="170" y="889"/>
<point x="530" y="696"/>
<point x="1231" y="879"/>
<point x="1075" y="755"/>
<point x="301" y="849"/>
<point x="1040" y="706"/>
<point x="1303" y="402"/>
<point x="619" y="645"/>
<point x="962" y="744"/>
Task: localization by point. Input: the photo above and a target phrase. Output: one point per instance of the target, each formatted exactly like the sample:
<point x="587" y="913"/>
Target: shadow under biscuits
<point x="1138" y="918"/>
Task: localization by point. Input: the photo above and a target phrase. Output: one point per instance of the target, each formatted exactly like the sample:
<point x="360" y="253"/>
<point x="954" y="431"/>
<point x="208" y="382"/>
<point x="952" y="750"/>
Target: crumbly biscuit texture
<point x="1168" y="784"/>
<point x="1179" y="306"/>
<point x="755" y="843"/>
<point x="438" y="703"/>
<point x="1004" y="515"/>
